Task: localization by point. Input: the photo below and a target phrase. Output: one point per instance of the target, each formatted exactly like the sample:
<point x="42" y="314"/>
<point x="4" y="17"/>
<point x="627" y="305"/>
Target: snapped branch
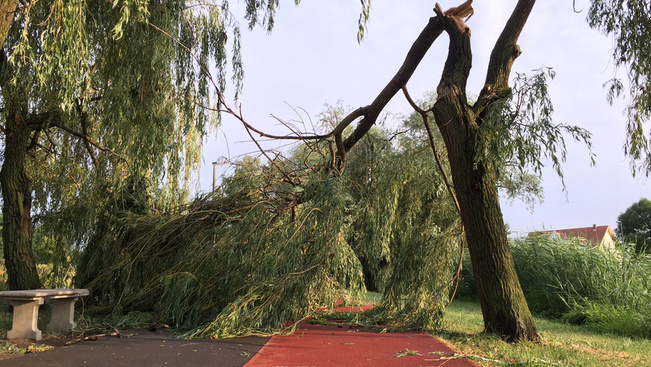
<point x="419" y="48"/>
<point x="459" y="62"/>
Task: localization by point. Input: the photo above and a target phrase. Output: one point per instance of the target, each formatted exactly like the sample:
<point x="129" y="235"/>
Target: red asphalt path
<point x="335" y="346"/>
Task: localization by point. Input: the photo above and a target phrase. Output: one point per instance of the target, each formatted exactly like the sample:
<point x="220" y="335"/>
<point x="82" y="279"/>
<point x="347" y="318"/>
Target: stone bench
<point x="25" y="304"/>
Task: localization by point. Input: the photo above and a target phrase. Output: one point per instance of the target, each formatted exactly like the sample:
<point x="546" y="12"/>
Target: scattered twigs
<point x="82" y="338"/>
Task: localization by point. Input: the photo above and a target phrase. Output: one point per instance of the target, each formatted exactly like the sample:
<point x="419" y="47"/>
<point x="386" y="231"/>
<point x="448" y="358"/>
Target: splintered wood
<point x="462" y="11"/>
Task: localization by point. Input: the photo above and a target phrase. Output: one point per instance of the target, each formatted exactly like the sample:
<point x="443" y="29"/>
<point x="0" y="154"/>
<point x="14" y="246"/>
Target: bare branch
<point x="419" y="48"/>
<point x="411" y="101"/>
<point x="87" y="140"/>
<point x="272" y="161"/>
<point x="574" y="7"/>
<point x="37" y="121"/>
<point x="424" y="115"/>
<point x="83" y="116"/>
<point x="34" y="143"/>
<point x="506" y="49"/>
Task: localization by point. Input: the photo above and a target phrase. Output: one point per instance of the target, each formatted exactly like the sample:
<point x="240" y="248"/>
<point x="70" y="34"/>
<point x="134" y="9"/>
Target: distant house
<point x="598" y="236"/>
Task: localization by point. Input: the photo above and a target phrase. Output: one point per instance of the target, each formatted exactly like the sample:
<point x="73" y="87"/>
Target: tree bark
<point x="17" y="206"/>
<point x="7" y="11"/>
<point x="504" y="307"/>
<point x="14" y="181"/>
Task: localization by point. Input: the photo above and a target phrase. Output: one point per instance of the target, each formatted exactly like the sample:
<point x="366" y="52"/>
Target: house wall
<point x="608" y="242"/>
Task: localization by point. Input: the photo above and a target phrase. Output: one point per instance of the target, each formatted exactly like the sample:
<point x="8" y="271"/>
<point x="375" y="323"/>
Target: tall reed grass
<point x="608" y="290"/>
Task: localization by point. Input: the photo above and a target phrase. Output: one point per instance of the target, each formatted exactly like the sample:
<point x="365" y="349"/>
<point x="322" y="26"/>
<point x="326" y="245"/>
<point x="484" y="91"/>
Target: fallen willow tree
<point x="260" y="253"/>
<point x="245" y="266"/>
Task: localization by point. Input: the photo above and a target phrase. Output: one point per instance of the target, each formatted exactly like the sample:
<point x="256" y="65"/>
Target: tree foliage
<point x="634" y="225"/>
<point x="107" y="90"/>
<point x="629" y="23"/>
<point x="505" y="298"/>
<point x="519" y="134"/>
<point x="307" y="223"/>
<point x="113" y="88"/>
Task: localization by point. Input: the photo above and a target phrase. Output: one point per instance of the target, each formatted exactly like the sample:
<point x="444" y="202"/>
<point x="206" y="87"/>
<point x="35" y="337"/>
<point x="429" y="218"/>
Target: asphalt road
<point x="145" y="348"/>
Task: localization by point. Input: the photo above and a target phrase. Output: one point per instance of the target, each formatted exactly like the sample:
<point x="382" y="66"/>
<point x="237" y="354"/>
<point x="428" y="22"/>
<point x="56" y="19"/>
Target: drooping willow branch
<point x="424" y="115"/>
<point x="84" y="138"/>
<point x="432" y="144"/>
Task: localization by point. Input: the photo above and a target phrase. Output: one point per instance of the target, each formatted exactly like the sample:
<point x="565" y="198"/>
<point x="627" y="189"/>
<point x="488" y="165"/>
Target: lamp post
<point x="214" y="171"/>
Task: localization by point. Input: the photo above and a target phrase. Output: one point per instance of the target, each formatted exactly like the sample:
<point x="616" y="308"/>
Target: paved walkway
<point x="310" y="346"/>
<point x="144" y="348"/>
<point x="334" y="346"/>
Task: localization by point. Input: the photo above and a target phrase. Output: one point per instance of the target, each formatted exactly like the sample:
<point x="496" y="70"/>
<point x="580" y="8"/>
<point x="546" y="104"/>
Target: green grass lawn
<point x="563" y="344"/>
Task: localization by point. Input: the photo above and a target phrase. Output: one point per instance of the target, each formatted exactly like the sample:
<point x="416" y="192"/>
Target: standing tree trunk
<point x="503" y="305"/>
<point x="17" y="206"/>
<point x="14" y="181"/>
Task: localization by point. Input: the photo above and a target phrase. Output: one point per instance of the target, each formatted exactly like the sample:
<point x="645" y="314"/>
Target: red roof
<point x="594" y="234"/>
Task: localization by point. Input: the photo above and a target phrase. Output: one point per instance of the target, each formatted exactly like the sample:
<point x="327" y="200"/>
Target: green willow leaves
<point x="114" y="89"/>
<point x="629" y="23"/>
<point x="519" y="134"/>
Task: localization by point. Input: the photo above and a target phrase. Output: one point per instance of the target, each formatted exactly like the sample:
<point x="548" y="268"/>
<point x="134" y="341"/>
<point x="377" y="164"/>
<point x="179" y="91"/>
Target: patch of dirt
<point x="601" y="353"/>
<point x="604" y="355"/>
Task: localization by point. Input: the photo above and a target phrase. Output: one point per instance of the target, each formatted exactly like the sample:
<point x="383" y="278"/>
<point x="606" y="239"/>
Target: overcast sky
<point x="312" y="58"/>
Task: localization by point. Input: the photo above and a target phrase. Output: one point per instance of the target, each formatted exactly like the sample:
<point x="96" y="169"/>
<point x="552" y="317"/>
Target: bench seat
<point x="26" y="303"/>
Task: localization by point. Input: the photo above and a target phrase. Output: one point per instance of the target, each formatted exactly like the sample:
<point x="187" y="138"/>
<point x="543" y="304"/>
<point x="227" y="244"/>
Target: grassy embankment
<point x="563" y="344"/>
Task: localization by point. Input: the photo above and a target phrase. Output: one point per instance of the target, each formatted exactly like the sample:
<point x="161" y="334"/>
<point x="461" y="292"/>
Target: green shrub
<point x="617" y="319"/>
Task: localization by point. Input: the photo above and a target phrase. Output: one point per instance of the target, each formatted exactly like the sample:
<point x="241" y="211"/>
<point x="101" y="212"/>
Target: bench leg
<point x="63" y="315"/>
<point x="25" y="319"/>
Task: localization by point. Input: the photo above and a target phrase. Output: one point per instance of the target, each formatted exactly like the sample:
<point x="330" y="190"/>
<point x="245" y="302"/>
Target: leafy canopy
<point x="518" y="136"/>
<point x="120" y="91"/>
<point x="634" y="225"/>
